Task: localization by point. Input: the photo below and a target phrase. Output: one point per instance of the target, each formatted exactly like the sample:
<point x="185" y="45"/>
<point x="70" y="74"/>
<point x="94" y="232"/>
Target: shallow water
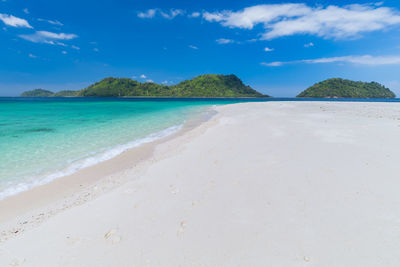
<point x="45" y="138"/>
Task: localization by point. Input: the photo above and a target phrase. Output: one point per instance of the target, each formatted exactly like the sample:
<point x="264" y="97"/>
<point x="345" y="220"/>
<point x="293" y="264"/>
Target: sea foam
<point x="74" y="166"/>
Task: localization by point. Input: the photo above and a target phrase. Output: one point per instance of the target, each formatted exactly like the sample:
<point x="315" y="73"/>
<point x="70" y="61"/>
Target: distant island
<point x="341" y="88"/>
<point x="47" y="93"/>
<point x="210" y="85"/>
<point x="38" y="93"/>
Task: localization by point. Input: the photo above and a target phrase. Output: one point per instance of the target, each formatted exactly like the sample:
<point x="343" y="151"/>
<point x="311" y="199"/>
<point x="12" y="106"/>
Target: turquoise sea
<point x="42" y="139"/>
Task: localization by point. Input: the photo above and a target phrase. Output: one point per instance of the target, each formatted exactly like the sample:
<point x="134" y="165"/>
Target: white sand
<point x="260" y="184"/>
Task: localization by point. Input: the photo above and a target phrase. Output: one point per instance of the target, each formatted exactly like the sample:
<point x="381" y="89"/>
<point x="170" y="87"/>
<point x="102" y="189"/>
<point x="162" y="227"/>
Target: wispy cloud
<point x="48" y="37"/>
<point x="166" y="82"/>
<point x="172" y="13"/>
<point x="267" y="49"/>
<point x="193" y="47"/>
<point x="309" y="45"/>
<point x="143" y="76"/>
<point x="32" y="56"/>
<point x="194" y="15"/>
<point x="169" y="14"/>
<point x="53" y="22"/>
<point x="75" y="47"/>
<point x="328" y="22"/>
<point x="26" y="11"/>
<point x="12" y="21"/>
<point x="224" y="41"/>
<point x="148" y="14"/>
<point x="353" y="59"/>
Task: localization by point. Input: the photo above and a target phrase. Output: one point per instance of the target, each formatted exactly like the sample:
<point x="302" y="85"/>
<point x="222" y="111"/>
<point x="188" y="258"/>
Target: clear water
<point x="42" y="139"/>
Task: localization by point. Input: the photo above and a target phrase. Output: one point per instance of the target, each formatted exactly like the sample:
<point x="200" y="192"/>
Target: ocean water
<point x="42" y="139"/>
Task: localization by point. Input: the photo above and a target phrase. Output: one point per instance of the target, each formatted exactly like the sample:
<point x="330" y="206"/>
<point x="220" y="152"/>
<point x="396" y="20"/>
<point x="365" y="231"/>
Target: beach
<point x="257" y="184"/>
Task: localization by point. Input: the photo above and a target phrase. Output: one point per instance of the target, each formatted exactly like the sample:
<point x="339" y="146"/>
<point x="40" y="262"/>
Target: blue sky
<point x="279" y="48"/>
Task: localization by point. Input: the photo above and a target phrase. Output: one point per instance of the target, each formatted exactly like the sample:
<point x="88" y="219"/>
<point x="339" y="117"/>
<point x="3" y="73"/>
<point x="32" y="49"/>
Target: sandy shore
<point x="260" y="184"/>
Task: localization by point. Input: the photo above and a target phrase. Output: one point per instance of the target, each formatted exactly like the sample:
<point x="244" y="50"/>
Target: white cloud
<point x="224" y="41"/>
<point x="289" y="19"/>
<point x="172" y="13"/>
<point x="166" y="82"/>
<point x="194" y="15"/>
<point x="75" y="47"/>
<point x="48" y="37"/>
<point x="53" y="22"/>
<point x="60" y="43"/>
<point x="64" y="52"/>
<point x="149" y="81"/>
<point x="273" y="64"/>
<point x="151" y="13"/>
<point x="193" y="47"/>
<point x="32" y="56"/>
<point x="353" y="59"/>
<point x="147" y="14"/>
<point x="250" y="16"/>
<point x="96" y="49"/>
<point x="309" y="45"/>
<point x="143" y="76"/>
<point x="267" y="49"/>
<point x="26" y="11"/>
<point x="58" y="36"/>
<point x="12" y="21"/>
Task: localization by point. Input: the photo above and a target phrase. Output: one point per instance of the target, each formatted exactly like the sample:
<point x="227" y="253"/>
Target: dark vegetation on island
<point x="210" y="85"/>
<point x="37" y="93"/>
<point x="213" y="85"/>
<point x="340" y="88"/>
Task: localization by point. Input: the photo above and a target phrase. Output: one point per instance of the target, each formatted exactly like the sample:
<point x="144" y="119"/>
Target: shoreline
<point x="288" y="183"/>
<point x="69" y="170"/>
<point x="30" y="206"/>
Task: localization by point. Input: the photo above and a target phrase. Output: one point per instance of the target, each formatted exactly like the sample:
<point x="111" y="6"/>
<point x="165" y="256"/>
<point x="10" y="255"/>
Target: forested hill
<point x="37" y="93"/>
<point x="340" y="88"/>
<point x="210" y="85"/>
<point x="47" y="93"/>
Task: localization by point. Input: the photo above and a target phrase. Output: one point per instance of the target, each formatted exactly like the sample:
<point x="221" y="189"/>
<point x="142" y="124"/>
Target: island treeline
<point x="213" y="85"/>
<point x="341" y="88"/>
<point x="210" y="85"/>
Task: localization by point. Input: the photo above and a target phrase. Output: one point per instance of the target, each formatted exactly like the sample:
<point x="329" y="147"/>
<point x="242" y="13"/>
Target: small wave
<point x="87" y="162"/>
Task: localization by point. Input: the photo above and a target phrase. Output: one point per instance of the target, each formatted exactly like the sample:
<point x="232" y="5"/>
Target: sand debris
<point x="173" y="189"/>
<point x="112" y="236"/>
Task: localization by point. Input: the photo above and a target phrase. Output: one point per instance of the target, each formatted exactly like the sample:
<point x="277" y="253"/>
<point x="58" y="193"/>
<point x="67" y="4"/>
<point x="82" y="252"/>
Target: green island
<point x="38" y="93"/>
<point x="341" y="88"/>
<point x="210" y="85"/>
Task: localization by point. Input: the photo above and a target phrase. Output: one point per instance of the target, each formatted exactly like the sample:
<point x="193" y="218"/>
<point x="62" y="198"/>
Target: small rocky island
<point x="341" y="88"/>
<point x="210" y="85"/>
